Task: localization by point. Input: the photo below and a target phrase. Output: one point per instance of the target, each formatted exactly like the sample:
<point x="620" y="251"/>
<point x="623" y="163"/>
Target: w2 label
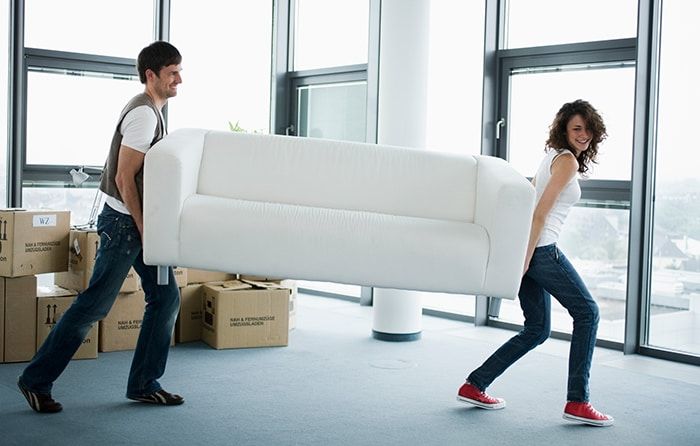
<point x="44" y="220"/>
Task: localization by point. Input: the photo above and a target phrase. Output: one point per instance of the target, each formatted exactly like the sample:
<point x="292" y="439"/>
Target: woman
<point x="572" y="146"/>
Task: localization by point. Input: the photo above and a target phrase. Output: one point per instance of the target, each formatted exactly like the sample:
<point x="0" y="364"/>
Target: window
<point x="65" y="124"/>
<point x="594" y="240"/>
<point x="330" y="33"/>
<point x="226" y="60"/>
<point x="79" y="60"/>
<point x="86" y="26"/>
<point x="455" y="76"/>
<point x="333" y="111"/>
<point x="454" y="100"/>
<point x="4" y="43"/>
<point x="533" y="85"/>
<point x="550" y="22"/>
<point x="674" y="307"/>
<point x="536" y="96"/>
<point x="78" y="201"/>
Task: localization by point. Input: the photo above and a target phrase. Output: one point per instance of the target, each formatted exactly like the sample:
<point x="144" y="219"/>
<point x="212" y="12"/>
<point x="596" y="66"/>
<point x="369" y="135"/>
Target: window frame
<point x="20" y="174"/>
<point x="285" y="83"/>
<point x="41" y="174"/>
<point x="610" y="51"/>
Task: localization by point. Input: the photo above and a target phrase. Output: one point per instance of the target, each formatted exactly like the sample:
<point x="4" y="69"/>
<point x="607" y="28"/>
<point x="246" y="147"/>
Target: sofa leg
<point x="398" y="315"/>
<point x="162" y="275"/>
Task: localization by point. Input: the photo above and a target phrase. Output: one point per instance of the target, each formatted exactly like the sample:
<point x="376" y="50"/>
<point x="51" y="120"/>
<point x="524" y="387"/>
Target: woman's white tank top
<point x="569" y="196"/>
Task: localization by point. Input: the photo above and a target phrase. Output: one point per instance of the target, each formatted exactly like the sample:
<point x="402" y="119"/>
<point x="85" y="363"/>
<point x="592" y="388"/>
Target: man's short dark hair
<point x="155" y="56"/>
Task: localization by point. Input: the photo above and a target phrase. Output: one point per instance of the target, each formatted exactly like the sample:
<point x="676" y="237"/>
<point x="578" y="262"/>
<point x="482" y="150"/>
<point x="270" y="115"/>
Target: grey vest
<point x="108" y="184"/>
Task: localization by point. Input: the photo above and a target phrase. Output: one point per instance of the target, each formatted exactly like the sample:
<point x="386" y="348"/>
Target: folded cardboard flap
<point x="233" y="285"/>
<point x="264" y="285"/>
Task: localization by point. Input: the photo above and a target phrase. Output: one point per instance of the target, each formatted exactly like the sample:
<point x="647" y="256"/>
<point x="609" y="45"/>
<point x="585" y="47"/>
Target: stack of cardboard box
<point x="188" y="327"/>
<point x="229" y="313"/>
<point x="253" y="312"/>
<point x="31" y="242"/>
<point x="52" y="302"/>
<point x="120" y="329"/>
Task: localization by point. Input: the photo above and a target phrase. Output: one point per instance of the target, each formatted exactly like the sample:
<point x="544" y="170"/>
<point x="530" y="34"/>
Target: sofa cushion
<point x="338" y="175"/>
<point x="324" y="244"/>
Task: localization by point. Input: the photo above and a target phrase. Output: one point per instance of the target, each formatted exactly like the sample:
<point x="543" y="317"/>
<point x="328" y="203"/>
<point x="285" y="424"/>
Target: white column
<point x="402" y="116"/>
<point x="403" y="73"/>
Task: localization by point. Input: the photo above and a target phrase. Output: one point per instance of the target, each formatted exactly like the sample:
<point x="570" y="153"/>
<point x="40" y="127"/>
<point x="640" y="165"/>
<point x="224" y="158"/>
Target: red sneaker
<point x="585" y="413"/>
<point x="469" y="393"/>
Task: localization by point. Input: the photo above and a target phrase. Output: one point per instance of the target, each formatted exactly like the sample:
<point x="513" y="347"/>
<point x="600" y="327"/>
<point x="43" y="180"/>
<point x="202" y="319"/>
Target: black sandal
<point x="160" y="397"/>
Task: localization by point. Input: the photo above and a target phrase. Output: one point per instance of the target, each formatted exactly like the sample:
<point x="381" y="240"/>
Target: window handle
<point x="501" y="123"/>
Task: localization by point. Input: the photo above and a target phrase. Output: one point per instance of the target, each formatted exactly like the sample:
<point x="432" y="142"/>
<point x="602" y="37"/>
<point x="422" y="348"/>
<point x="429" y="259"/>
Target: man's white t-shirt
<point x="137" y="128"/>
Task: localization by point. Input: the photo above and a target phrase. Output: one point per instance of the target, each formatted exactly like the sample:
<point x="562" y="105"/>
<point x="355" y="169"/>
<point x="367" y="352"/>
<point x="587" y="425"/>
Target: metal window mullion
<point x="641" y="208"/>
<point x="280" y="115"/>
<point x="490" y="96"/>
<point x="490" y="89"/>
<point x="17" y="105"/>
<point x="372" y="110"/>
<point x="372" y="70"/>
<point x="606" y="49"/>
<point x="329" y="79"/>
<point x="161" y="20"/>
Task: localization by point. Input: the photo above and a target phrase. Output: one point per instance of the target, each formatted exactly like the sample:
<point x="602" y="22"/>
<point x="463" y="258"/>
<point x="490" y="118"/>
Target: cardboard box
<point x="18" y="297"/>
<point x="119" y="330"/>
<point x="188" y="327"/>
<point x="83" y="247"/>
<point x="292" y="285"/>
<point x="237" y="314"/>
<point x="180" y="276"/>
<point x="203" y="276"/>
<point x="51" y="303"/>
<point x="2" y="326"/>
<point x="285" y="283"/>
<point x="33" y="241"/>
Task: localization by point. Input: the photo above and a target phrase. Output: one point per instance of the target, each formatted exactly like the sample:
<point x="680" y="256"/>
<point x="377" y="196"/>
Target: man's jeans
<point x="550" y="274"/>
<point x="120" y="249"/>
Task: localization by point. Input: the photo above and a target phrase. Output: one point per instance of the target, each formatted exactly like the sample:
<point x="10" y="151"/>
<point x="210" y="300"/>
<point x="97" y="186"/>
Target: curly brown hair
<point x="594" y="123"/>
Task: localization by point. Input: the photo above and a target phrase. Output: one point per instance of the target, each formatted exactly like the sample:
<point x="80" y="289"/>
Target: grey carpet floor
<point x="335" y="385"/>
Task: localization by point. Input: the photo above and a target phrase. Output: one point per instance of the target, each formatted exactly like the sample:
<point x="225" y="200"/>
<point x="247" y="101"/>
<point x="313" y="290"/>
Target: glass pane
<point x="675" y="279"/>
<point x="450" y="303"/>
<point x="78" y="201"/>
<point x="89" y="26"/>
<point x="334" y="288"/>
<point x="595" y="241"/>
<point x="330" y="33"/>
<point x="551" y="22"/>
<point x="65" y="124"/>
<point x="226" y="59"/>
<point x="333" y="111"/>
<point x="535" y="98"/>
<point x="455" y="76"/>
<point x="4" y="60"/>
<point x="455" y="87"/>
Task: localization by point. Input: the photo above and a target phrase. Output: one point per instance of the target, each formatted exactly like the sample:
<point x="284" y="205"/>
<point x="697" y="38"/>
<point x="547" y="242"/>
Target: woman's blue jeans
<point x="120" y="249"/>
<point x="550" y="274"/>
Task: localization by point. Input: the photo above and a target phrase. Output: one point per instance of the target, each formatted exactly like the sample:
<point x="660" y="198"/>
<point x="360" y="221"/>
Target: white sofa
<point x="332" y="211"/>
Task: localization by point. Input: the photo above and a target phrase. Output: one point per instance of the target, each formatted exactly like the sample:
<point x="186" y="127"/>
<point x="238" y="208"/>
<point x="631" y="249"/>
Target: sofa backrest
<point x="339" y="175"/>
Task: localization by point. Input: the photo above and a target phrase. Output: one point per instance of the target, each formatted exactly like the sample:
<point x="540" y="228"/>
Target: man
<point x="120" y="226"/>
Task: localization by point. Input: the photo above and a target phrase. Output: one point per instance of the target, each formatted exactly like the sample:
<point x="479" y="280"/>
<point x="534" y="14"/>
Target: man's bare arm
<point x="130" y="162"/>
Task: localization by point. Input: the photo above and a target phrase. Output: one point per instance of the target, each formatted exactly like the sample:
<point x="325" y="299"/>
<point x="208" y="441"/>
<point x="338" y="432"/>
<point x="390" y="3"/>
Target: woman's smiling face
<point x="577" y="134"/>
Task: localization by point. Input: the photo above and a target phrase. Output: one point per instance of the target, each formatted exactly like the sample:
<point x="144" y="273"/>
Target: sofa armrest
<point x="505" y="201"/>
<point x="171" y="174"/>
